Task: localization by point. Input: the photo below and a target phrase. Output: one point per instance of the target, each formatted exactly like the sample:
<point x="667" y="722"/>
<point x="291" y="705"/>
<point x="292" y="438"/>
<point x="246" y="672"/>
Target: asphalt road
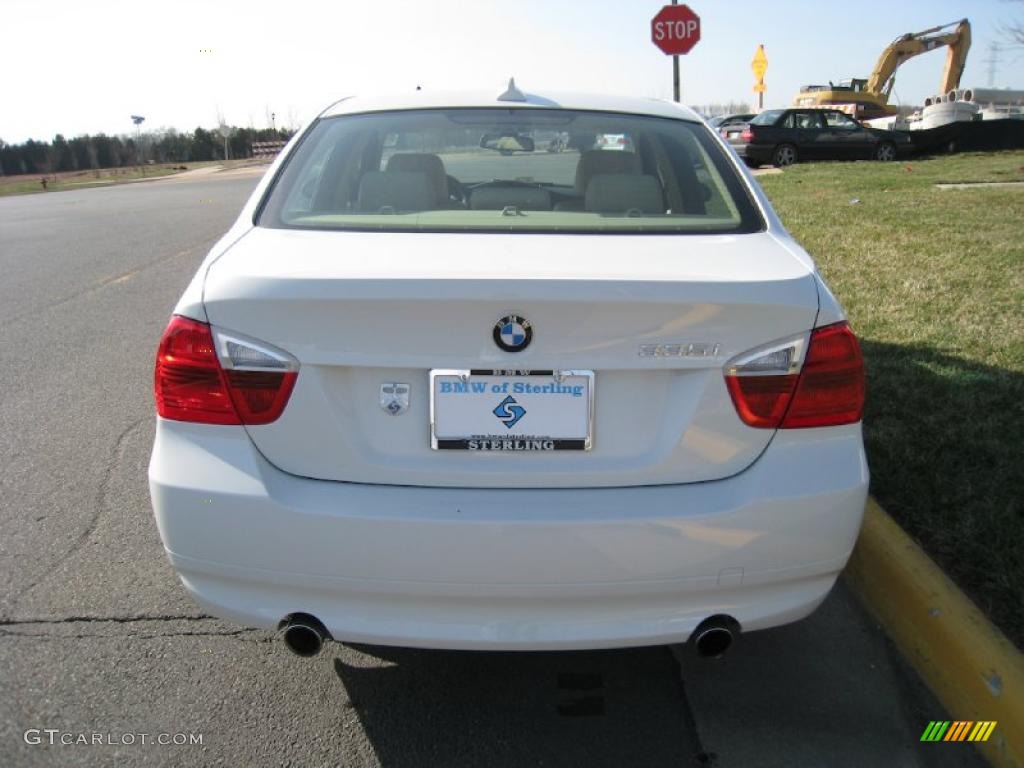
<point x="97" y="636"/>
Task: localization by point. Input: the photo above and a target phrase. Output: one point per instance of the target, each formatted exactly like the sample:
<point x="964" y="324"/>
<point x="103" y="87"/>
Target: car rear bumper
<point x="760" y="153"/>
<point x="507" y="568"/>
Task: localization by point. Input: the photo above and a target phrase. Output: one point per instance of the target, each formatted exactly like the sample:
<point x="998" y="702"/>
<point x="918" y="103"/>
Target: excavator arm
<point x="956" y="58"/>
<point x="914" y="44"/>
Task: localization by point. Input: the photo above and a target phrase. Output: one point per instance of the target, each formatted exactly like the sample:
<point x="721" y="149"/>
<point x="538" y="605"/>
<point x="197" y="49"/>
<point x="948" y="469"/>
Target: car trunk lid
<point x="654" y="317"/>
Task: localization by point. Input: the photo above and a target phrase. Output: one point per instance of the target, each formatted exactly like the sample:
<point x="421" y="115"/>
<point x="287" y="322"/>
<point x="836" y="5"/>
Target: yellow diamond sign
<point x="760" y="63"/>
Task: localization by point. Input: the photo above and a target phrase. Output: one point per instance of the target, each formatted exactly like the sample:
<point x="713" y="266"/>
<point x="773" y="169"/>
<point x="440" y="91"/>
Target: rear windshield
<point x="509" y="170"/>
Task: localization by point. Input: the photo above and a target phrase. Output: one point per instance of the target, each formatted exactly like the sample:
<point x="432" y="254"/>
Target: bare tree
<point x="1014" y="30"/>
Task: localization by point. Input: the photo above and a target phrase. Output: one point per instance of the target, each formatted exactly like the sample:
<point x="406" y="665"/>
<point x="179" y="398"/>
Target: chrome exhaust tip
<point x="304" y="635"/>
<point x="714" y="636"/>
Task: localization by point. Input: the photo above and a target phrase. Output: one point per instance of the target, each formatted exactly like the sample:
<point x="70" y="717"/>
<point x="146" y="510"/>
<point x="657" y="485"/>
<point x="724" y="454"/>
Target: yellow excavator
<point x="868" y="99"/>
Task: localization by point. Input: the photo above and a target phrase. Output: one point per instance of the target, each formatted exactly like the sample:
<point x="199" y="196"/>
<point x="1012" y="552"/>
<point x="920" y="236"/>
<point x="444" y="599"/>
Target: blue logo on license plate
<point x="509" y="412"/>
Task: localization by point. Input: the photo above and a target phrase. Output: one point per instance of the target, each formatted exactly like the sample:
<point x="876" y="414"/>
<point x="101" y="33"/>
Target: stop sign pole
<point x="675" y="30"/>
<point x="675" y="72"/>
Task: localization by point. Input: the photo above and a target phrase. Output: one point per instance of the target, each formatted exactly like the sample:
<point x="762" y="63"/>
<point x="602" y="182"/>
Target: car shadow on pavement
<point x="593" y="708"/>
<point x="943" y="437"/>
<point x="830" y="690"/>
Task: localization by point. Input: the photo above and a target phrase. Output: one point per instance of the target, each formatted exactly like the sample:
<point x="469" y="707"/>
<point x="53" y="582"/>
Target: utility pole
<point x="993" y="63"/>
<point x="225" y="131"/>
<point x="138" y="120"/>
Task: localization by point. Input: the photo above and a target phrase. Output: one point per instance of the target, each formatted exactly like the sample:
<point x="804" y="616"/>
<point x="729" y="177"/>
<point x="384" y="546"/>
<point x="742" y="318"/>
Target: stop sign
<point x="676" y="29"/>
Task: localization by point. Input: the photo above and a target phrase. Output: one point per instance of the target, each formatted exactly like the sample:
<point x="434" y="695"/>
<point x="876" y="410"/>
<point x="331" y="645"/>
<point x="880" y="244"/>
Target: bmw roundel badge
<point x="513" y="333"/>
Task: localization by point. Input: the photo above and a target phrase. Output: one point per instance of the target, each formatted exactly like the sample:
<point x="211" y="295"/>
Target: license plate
<point x="734" y="134"/>
<point x="511" y="411"/>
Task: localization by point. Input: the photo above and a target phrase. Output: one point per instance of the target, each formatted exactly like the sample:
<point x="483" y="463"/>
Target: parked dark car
<point x="786" y="136"/>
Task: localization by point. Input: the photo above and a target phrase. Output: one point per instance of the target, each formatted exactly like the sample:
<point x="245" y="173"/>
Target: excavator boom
<point x="956" y="59"/>
<point x="910" y="45"/>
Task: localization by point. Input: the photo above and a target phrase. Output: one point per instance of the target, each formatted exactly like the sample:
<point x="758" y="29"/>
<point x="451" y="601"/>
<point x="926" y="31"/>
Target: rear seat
<point x="599" y="161"/>
<point x="396" y="191"/>
<point x="411" y="181"/>
<point x="427" y="163"/>
<point x="623" y="193"/>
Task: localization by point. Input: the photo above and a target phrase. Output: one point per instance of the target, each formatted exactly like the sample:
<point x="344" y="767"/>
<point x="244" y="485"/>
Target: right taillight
<point x="747" y="135"/>
<point x="814" y="380"/>
<point x="209" y="376"/>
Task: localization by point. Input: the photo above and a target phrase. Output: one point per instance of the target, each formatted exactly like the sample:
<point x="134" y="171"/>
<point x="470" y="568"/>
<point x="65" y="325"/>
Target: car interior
<point x="604" y="182"/>
<point x="486" y="169"/>
<point x="628" y="173"/>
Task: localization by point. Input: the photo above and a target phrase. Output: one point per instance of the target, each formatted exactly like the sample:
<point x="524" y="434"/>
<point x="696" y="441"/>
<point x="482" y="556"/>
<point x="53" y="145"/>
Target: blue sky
<point x="75" y="67"/>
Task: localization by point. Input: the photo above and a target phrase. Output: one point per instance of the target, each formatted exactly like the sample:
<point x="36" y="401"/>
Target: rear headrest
<point x="398" y="191"/>
<point x="621" y="193"/>
<point x="595" y="161"/>
<point x="422" y="162"/>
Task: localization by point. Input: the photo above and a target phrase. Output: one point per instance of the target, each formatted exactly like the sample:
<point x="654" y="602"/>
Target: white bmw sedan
<point x="459" y="377"/>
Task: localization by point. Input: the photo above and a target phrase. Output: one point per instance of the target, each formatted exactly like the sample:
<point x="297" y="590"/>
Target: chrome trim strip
<point x="221" y="338"/>
<point x="735" y="366"/>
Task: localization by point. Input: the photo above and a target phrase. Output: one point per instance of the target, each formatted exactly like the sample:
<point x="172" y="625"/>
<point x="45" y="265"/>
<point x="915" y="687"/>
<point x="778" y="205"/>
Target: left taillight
<point x="210" y="376"/>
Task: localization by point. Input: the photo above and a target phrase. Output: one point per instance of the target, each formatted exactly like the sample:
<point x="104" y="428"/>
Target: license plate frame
<point x="518" y="441"/>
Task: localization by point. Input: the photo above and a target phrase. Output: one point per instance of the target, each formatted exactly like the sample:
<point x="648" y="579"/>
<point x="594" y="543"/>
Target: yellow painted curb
<point x="973" y="669"/>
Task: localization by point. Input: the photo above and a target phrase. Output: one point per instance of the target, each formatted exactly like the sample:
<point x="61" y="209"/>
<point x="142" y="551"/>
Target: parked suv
<point x="428" y="393"/>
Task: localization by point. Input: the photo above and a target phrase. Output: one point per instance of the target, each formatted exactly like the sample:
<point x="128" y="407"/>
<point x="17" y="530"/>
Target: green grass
<point x="104" y="177"/>
<point x="933" y="283"/>
<point x="27" y="184"/>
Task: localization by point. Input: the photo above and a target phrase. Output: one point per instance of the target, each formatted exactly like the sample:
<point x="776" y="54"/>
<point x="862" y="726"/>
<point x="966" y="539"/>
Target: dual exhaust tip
<point x="304" y="635"/>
